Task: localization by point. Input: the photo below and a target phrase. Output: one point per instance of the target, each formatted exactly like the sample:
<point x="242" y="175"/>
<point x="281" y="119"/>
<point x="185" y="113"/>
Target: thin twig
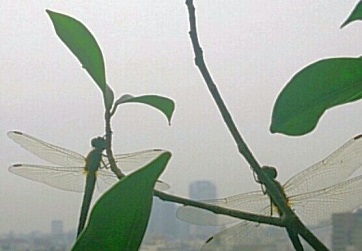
<point x="242" y="147"/>
<point x="219" y="210"/>
<point x="184" y="201"/>
<point x="200" y="63"/>
<point x="112" y="162"/>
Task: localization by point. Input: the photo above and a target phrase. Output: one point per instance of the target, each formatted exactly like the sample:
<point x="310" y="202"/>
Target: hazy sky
<point x="251" y="47"/>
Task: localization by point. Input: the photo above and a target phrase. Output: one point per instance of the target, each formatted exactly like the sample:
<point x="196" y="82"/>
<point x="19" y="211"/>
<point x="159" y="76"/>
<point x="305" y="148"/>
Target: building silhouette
<point x="347" y="231"/>
<point x="165" y="231"/>
<point x="163" y="219"/>
<point x="56" y="227"/>
<point x="203" y="190"/>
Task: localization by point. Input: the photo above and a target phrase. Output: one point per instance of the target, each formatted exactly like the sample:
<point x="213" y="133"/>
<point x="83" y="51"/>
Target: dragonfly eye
<point x="99" y="142"/>
<point x="270" y="171"/>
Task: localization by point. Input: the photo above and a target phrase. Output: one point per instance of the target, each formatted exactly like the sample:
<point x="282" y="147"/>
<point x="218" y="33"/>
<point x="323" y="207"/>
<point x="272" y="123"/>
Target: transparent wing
<point x="106" y="178"/>
<point x="253" y="202"/>
<point x="129" y="162"/>
<point x="162" y="186"/>
<point x="244" y="236"/>
<point x="317" y="207"/>
<point x="70" y="177"/>
<point x="336" y="168"/>
<point x="51" y="153"/>
<point x="313" y="194"/>
<point x="65" y="178"/>
<point x="314" y="208"/>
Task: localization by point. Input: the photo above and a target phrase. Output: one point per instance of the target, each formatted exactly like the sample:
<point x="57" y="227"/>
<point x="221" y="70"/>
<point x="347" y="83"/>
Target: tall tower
<point x="202" y="190"/>
<point x="341" y="227"/>
<point x="346" y="231"/>
<point x="56" y="227"/>
<point x="163" y="223"/>
<point x="163" y="219"/>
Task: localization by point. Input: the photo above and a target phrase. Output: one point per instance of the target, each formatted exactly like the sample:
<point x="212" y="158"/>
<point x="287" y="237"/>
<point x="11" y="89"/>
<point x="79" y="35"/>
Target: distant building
<point x="347" y="231"/>
<point x="56" y="227"/>
<point x="37" y="241"/>
<point x="165" y="230"/>
<point x="163" y="219"/>
<point x="202" y="190"/>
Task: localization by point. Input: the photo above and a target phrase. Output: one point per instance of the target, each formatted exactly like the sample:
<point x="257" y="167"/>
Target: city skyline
<point x="345" y="232"/>
<point x="163" y="224"/>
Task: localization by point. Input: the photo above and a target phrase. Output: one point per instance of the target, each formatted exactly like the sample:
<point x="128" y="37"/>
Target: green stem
<point x="112" y="162"/>
<point x="188" y="202"/>
<point x="219" y="210"/>
<point x="272" y="188"/>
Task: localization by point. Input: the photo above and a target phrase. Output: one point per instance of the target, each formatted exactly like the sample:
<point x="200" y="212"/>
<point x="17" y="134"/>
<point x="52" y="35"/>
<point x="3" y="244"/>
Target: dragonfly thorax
<point x="270" y="171"/>
<point x="99" y="143"/>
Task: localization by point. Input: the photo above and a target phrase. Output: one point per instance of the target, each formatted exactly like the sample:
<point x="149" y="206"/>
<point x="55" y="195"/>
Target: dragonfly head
<point x="270" y="171"/>
<point x="99" y="143"/>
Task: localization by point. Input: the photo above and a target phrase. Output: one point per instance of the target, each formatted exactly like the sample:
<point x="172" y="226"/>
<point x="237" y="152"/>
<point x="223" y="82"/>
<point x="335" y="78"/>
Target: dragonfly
<point x="314" y="194"/>
<point x="72" y="171"/>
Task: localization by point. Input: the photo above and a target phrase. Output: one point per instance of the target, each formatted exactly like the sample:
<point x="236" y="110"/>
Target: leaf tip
<point x="49" y="12"/>
<point x="342" y="25"/>
<point x="357" y="137"/>
<point x="356" y="15"/>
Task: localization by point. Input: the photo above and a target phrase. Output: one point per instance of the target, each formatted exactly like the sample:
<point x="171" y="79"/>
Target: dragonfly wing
<point x="253" y="202"/>
<point x="197" y="216"/>
<point x="317" y="207"/>
<point x="51" y="153"/>
<point x="336" y="168"/>
<point x="129" y="162"/>
<point x="245" y="236"/>
<point x="106" y="179"/>
<point x="161" y="186"/>
<point x="229" y="238"/>
<point x="65" y="178"/>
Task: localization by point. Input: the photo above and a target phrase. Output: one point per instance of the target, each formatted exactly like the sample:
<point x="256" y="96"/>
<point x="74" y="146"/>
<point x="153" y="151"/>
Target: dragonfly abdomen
<point x="87" y="198"/>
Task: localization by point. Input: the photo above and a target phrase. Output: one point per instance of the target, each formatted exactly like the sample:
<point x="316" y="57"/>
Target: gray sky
<point x="252" y="49"/>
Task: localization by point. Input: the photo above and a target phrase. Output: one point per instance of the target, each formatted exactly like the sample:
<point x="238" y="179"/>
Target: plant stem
<point x="241" y="145"/>
<point x="112" y="162"/>
<point x="184" y="201"/>
<point x="219" y="210"/>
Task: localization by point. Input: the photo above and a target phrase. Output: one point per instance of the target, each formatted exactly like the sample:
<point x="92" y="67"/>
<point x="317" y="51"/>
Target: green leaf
<point x="82" y="44"/>
<point x="313" y="90"/>
<point x="119" y="219"/>
<point x="355" y="15"/>
<point x="163" y="104"/>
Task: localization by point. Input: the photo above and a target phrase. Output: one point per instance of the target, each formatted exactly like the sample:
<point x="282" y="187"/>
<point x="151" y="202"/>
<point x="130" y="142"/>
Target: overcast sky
<point x="252" y="49"/>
